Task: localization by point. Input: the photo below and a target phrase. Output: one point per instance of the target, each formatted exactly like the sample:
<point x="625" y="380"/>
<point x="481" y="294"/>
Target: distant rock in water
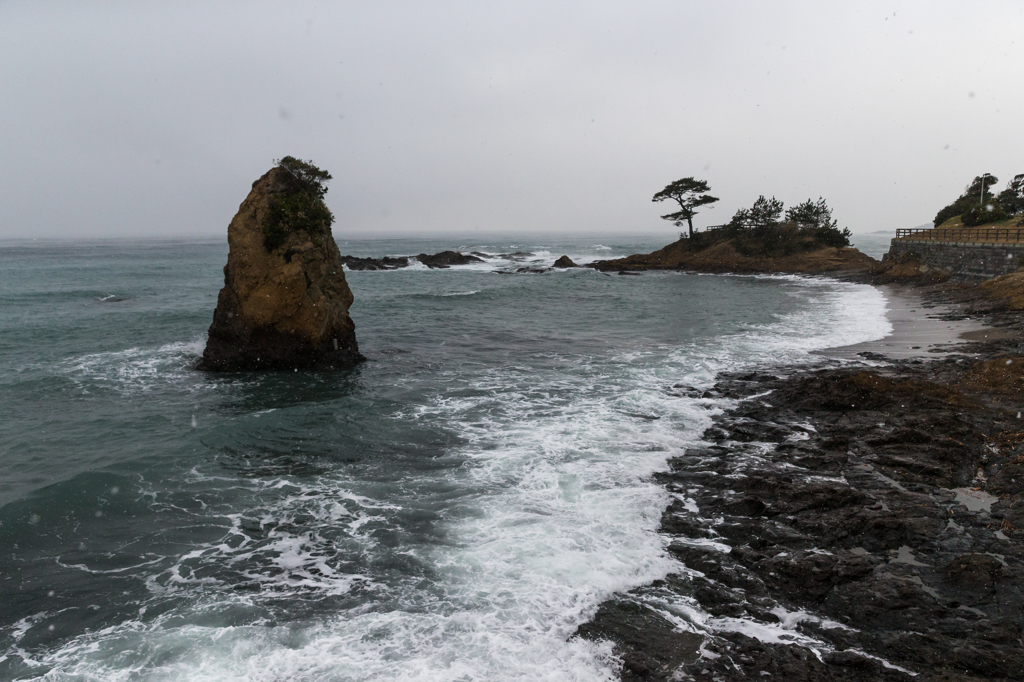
<point x="385" y="263"/>
<point x="442" y="260"/>
<point x="565" y="262"/>
<point x="446" y="259"/>
<point x="285" y="301"/>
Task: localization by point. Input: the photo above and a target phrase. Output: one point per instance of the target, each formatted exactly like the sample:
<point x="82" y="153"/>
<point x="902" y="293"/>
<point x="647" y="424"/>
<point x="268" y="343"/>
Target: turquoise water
<point x="451" y="509"/>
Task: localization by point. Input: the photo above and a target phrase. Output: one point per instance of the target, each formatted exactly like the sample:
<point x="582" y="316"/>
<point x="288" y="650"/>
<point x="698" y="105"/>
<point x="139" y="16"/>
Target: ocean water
<point x="874" y="244"/>
<point x="450" y="510"/>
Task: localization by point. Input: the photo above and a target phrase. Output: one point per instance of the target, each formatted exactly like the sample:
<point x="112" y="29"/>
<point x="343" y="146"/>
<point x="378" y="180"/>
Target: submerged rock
<point x="565" y="262"/>
<point x="285" y="301"/>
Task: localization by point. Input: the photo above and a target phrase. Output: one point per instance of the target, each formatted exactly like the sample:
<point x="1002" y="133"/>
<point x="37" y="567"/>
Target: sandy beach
<point x="920" y="328"/>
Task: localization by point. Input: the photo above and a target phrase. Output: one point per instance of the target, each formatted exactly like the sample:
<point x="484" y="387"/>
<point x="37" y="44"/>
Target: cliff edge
<point x="285" y="300"/>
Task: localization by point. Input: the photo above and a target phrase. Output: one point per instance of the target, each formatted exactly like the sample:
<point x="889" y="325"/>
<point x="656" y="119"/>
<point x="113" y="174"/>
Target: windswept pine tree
<point x="690" y="194"/>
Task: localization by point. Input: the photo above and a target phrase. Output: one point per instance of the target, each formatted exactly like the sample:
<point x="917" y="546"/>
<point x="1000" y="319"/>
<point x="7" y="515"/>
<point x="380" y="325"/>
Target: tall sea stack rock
<point x="285" y="301"/>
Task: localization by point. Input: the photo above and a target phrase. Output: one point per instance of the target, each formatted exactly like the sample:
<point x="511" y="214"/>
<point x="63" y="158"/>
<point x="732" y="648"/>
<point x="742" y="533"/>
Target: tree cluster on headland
<point x="980" y="205"/>
<point x="763" y="238"/>
<point x="765" y="229"/>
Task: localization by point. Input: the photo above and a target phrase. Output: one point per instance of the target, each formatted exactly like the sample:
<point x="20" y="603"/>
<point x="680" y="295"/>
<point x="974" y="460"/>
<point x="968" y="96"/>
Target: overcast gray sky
<point x="152" y="119"/>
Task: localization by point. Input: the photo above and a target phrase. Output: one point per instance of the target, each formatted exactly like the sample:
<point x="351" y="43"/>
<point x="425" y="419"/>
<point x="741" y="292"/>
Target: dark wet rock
<point x="385" y="263"/>
<point x="975" y="573"/>
<point x="285" y="301"/>
<point x="651" y="647"/>
<point x="629" y="273"/>
<point x="565" y="262"/>
<point x="748" y="506"/>
<point x="442" y="260"/>
<point x="446" y="259"/>
<point x="906" y="268"/>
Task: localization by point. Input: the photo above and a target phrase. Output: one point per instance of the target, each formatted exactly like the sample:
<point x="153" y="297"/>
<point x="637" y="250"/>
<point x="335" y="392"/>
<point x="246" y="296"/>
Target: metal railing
<point x="963" y="234"/>
<point x="709" y="228"/>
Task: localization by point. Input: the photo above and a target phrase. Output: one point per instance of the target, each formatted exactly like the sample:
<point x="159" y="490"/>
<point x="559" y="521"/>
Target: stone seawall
<point x="974" y="260"/>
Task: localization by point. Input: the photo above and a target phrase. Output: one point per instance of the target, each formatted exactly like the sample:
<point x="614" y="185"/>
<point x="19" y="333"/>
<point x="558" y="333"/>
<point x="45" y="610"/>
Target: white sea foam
<point x="415" y="264"/>
<point x="273" y="550"/>
<point x="541" y="257"/>
<point x="461" y="293"/>
<point x="838" y="314"/>
<point x="133" y="370"/>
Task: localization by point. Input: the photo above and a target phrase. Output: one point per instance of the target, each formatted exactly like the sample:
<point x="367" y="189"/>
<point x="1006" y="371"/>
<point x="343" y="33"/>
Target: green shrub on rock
<point x="979" y="215"/>
<point x="815" y="220"/>
<point x="761" y="231"/>
<point x="978" y="193"/>
<point x="300" y="207"/>
<point x="1011" y="199"/>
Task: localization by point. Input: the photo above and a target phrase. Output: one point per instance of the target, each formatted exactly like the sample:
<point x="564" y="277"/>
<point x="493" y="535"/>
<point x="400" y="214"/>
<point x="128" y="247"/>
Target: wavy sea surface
<point x="450" y="510"/>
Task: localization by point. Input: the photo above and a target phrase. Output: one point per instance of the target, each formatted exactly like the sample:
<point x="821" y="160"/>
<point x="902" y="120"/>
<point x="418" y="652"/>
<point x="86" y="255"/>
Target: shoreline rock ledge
<point x="285" y="300"/>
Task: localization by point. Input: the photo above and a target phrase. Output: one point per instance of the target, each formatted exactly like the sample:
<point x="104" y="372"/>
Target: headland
<point x="723" y="257"/>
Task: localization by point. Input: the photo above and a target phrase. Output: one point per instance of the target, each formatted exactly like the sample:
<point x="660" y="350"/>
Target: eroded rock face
<point x="286" y="306"/>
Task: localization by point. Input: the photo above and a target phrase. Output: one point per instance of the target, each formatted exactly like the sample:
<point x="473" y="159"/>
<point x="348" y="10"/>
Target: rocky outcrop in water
<point x="565" y="262"/>
<point x="285" y="301"/>
<point x="442" y="260"/>
<point x="446" y="259"/>
<point x="385" y="263"/>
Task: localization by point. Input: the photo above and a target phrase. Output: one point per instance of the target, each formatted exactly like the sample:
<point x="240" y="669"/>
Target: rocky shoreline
<point x="849" y="522"/>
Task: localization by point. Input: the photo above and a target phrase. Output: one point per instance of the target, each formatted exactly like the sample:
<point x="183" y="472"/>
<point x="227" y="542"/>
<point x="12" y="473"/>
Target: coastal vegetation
<point x="980" y="205"/>
<point x="766" y="229"/>
<point x="763" y="238"/>
<point x="301" y="206"/>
